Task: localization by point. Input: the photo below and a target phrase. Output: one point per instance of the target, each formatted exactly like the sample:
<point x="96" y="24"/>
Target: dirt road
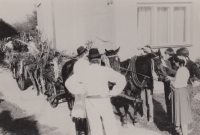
<point x="56" y="118"/>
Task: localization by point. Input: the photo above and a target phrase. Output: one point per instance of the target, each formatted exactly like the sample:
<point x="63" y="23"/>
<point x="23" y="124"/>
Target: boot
<point x="83" y="126"/>
<point x="76" y="125"/>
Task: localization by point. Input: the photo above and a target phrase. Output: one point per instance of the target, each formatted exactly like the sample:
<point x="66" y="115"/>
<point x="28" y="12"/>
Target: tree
<point x="28" y="26"/>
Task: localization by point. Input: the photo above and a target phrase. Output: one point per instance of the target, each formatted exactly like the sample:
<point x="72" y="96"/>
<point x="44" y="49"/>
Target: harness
<point x="132" y="69"/>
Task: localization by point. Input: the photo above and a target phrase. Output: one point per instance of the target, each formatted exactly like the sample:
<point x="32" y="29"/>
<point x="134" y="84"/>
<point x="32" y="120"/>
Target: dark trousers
<point x="167" y="90"/>
<point x="82" y="126"/>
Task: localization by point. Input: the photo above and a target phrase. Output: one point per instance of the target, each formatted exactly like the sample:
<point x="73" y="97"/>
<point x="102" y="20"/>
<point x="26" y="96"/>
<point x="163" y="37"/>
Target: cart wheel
<point x="54" y="104"/>
<point x="21" y="82"/>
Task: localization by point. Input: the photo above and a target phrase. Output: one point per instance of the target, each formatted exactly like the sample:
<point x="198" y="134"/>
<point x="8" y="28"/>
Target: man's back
<point x="94" y="80"/>
<point x="97" y="79"/>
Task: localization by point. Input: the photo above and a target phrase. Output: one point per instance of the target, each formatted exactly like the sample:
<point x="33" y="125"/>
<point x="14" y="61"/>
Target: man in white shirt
<point x="93" y="82"/>
<point x="79" y="111"/>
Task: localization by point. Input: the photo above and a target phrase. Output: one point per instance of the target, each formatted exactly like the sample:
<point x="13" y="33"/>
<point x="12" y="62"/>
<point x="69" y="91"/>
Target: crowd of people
<point x="93" y="113"/>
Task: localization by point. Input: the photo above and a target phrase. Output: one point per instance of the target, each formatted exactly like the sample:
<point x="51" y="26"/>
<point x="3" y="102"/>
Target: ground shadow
<point x="161" y="119"/>
<point x="20" y="126"/>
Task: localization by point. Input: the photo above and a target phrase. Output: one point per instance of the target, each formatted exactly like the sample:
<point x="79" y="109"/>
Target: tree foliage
<point x="28" y="26"/>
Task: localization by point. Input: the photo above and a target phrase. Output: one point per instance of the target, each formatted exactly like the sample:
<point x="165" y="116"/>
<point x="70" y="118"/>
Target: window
<point x="145" y="25"/>
<point x="164" y="24"/>
<point x="179" y="24"/>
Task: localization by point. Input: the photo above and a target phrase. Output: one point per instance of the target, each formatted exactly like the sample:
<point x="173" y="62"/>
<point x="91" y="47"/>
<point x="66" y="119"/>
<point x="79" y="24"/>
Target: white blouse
<point x="181" y="78"/>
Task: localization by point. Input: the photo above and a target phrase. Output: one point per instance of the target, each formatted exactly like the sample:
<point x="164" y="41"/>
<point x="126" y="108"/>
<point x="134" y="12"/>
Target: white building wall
<point x="126" y="25"/>
<point x="77" y="22"/>
<point x="108" y="26"/>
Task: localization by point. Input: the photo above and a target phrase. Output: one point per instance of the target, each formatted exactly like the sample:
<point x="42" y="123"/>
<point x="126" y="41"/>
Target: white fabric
<point x="79" y="110"/>
<point x="80" y="65"/>
<point x="181" y="78"/>
<point x="93" y="80"/>
<point x="97" y="108"/>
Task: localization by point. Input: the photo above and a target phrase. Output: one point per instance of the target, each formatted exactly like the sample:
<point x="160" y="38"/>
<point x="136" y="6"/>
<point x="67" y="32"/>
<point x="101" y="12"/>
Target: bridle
<point x="158" y="72"/>
<point x="127" y="70"/>
<point x="116" y="57"/>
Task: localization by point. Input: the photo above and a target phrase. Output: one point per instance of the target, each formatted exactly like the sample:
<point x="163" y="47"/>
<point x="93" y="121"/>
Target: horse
<point x="66" y="72"/>
<point x="138" y="76"/>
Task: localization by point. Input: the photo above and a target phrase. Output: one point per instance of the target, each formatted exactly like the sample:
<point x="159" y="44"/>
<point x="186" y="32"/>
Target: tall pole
<point x="53" y="24"/>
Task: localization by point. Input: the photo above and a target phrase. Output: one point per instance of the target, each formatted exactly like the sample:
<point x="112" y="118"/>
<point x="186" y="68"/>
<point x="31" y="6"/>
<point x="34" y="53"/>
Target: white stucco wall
<point x="77" y="22"/>
<point x="108" y="26"/>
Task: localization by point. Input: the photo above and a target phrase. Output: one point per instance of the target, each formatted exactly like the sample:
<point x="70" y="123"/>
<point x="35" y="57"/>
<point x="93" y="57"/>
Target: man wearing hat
<point x="94" y="83"/>
<point x="79" y="111"/>
<point x="168" y="59"/>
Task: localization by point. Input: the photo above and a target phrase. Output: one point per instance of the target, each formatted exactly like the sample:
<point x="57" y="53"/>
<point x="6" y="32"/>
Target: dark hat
<point x="81" y="50"/>
<point x="169" y="51"/>
<point x="94" y="53"/>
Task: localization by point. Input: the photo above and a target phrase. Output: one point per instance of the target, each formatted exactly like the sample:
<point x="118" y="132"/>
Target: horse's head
<point x="113" y="58"/>
<point x="159" y="69"/>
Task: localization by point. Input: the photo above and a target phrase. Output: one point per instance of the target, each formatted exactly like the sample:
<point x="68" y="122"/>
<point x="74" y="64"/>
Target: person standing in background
<point x="79" y="111"/>
<point x="168" y="59"/>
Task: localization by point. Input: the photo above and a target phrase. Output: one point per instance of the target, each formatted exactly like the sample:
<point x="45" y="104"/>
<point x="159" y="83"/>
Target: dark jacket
<point x="173" y="65"/>
<point x="170" y="71"/>
<point x="193" y="69"/>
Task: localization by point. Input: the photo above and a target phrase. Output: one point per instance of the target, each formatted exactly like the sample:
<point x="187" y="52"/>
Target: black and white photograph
<point x="99" y="67"/>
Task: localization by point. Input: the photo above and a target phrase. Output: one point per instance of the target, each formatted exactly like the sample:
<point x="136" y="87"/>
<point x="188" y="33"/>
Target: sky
<point x="13" y="11"/>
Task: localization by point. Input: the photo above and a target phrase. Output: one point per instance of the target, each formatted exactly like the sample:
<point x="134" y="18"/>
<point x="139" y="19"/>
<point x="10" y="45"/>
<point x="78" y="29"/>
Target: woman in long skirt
<point x="181" y="107"/>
